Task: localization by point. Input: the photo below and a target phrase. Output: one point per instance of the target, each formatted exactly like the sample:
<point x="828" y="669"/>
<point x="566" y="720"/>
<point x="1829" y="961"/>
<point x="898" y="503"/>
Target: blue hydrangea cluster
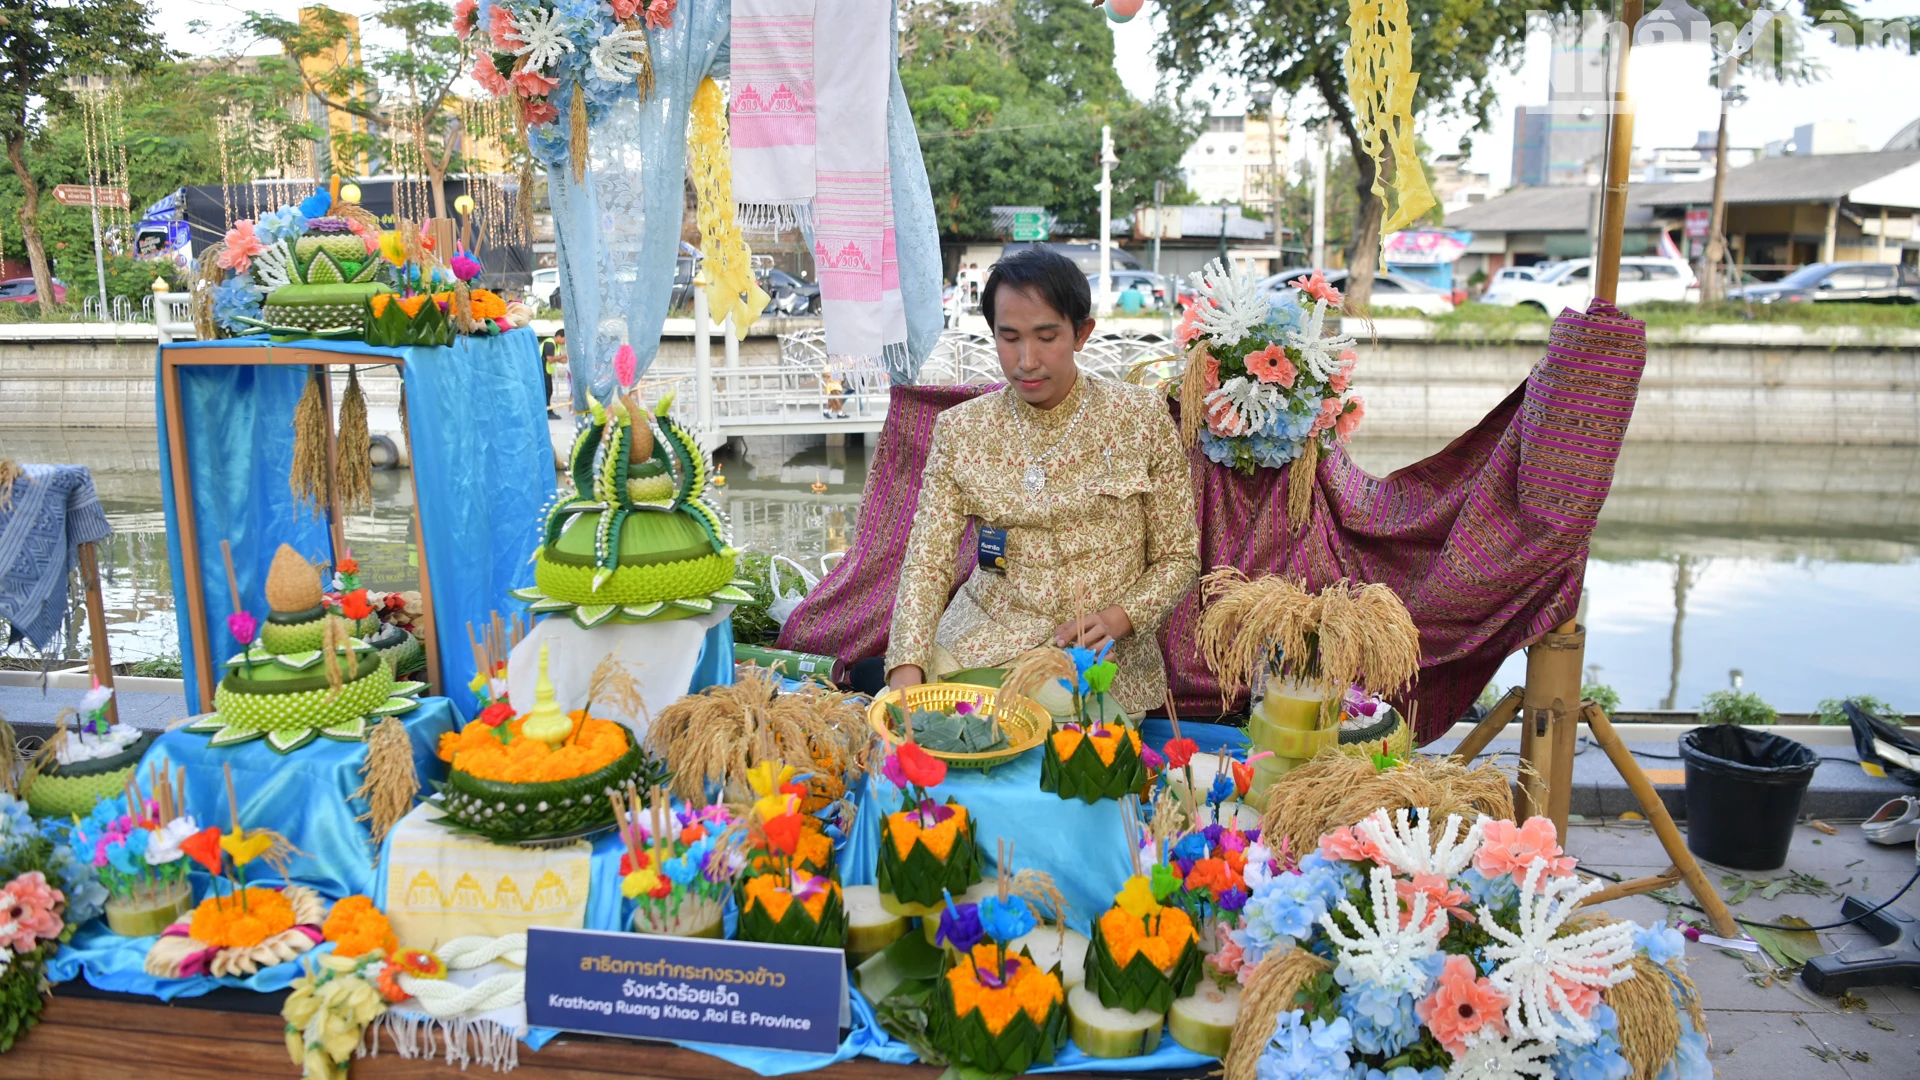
<point x="234" y="299"/>
<point x="1598" y="1060"/>
<point x="1383" y="1021"/>
<point x="1498" y="893"/>
<point x="1301" y="1051"/>
<point x="1662" y="943"/>
<point x="1285" y="909"/>
<point x="1363" y="1071"/>
<point x="286" y="223"/>
<point x="66" y="870"/>
<point x="1690" y="1056"/>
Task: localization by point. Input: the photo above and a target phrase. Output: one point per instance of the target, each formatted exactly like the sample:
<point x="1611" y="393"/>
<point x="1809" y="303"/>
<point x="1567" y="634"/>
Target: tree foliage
<point x="1010" y="95"/>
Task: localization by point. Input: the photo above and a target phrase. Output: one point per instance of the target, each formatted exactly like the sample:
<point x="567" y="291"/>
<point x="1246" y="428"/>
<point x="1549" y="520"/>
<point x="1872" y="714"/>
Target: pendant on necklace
<point x="1034" y="480"/>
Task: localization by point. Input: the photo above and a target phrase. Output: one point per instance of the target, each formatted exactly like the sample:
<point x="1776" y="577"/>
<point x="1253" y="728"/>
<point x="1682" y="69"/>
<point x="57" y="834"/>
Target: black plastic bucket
<point x="1743" y="794"/>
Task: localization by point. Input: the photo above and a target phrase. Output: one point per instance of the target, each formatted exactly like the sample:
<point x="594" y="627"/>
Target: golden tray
<point x="1024" y="721"/>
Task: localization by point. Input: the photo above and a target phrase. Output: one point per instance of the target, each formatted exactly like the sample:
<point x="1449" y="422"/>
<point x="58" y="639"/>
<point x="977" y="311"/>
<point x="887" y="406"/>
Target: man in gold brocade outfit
<point x="1080" y="490"/>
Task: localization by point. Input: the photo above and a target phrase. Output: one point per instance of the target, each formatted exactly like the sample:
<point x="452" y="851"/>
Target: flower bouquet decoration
<point x="1097" y="754"/>
<point x="139" y="857"/>
<point x="677" y="869"/>
<point x="784" y="904"/>
<point x="927" y="849"/>
<point x="372" y="617"/>
<point x="1446" y="949"/>
<point x="995" y="1011"/>
<point x="1265" y="384"/>
<point x="47" y="891"/>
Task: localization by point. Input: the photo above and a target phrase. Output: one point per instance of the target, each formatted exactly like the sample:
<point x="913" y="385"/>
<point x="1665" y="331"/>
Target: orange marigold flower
<point x="1066" y="742"/>
<point x="356" y="928"/>
<point x="412" y="304"/>
<point x="477" y="751"/>
<point x="904" y="828"/>
<point x="1028" y="989"/>
<point x="221" y="922"/>
<point x="1161" y="943"/>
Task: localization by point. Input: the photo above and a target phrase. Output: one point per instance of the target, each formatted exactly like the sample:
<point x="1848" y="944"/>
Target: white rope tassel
<point x="467" y="953"/>
<point x="440" y="998"/>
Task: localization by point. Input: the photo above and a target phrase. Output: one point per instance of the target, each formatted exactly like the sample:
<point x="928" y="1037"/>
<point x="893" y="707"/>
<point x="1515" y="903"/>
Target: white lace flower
<point x="1536" y="967"/>
<point x="1495" y="1058"/>
<point x="1319" y="356"/>
<point x="273" y="267"/>
<point x="1409" y="848"/>
<point x="1385" y="952"/>
<point x="615" y="57"/>
<point x="1237" y="305"/>
<point x="1255" y="402"/>
<point x="542" y="37"/>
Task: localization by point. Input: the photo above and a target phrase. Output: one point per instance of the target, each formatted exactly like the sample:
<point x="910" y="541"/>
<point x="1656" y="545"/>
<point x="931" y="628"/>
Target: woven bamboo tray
<point x="1025" y="722"/>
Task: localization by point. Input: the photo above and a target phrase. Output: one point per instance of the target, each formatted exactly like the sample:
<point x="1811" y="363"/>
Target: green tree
<point x="1010" y="95"/>
<point x="44" y="47"/>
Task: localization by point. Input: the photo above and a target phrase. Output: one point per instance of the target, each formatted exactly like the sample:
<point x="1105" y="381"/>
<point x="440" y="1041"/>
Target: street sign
<point x="1697" y="224"/>
<point x="1022" y="233"/>
<point x="82" y="195"/>
<point x="1031" y="224"/>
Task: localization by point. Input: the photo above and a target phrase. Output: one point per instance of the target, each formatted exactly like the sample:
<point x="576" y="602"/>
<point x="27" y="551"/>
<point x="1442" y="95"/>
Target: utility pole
<point x="1318" y="150"/>
<point x="99" y="256"/>
<point x="1159" y="228"/>
<point x="1710" y="291"/>
<point x="1107" y="162"/>
<point x="1273" y="185"/>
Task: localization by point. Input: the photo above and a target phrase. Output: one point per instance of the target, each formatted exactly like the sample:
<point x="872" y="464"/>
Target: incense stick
<point x="233" y="583"/>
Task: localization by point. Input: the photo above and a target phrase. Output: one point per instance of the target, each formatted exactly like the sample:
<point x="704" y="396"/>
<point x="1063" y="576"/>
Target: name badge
<point x="993" y="549"/>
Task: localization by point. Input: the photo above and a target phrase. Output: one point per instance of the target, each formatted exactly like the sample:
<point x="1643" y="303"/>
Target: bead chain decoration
<point x="1034" y="480"/>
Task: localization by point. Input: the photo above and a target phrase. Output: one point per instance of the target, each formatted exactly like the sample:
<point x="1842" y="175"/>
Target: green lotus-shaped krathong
<point x="797" y="926"/>
<point x="638" y="541"/>
<point x="287" y="699"/>
<point x="1085" y="777"/>
<point x="521" y="813"/>
<point x="922" y="877"/>
<point x="1139" y="986"/>
<point x="1020" y="1046"/>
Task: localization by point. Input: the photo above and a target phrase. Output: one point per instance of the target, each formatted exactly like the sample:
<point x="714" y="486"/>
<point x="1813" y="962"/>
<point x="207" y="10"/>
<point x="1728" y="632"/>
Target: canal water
<point x="1791" y="571"/>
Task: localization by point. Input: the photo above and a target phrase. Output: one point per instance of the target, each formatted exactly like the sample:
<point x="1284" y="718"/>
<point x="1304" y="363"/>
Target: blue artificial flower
<point x="1298" y="1051"/>
<point x="1598" y="1060"/>
<point x="129" y="856"/>
<point x="680" y="871"/>
<point x="315" y="205"/>
<point x="1499" y="893"/>
<point x="234" y="299"/>
<point x="1661" y="943"/>
<point x="1190" y="846"/>
<point x="286" y="223"/>
<point x="1222" y="789"/>
<point x="1347" y="876"/>
<point x="16" y="825"/>
<point x="76" y="877"/>
<point x="1284" y="909"/>
<point x="1363" y="1071"/>
<point x="1005" y="920"/>
<point x="1083" y="662"/>
<point x="1219" y="450"/>
<point x="1383" y="1021"/>
<point x="1285" y="315"/>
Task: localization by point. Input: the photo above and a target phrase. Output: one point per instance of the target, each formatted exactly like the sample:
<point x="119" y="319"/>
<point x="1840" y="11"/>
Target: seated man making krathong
<point x="1082" y="497"/>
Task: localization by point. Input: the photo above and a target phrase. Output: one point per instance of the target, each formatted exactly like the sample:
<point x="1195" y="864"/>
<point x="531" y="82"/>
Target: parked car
<point x="1853" y="282"/>
<point x="1151" y="285"/>
<point x="1569" y="284"/>
<point x="20" y="290"/>
<point x="1517" y="273"/>
<point x="1390" y="290"/>
<point x="546" y="286"/>
<point x="788" y="294"/>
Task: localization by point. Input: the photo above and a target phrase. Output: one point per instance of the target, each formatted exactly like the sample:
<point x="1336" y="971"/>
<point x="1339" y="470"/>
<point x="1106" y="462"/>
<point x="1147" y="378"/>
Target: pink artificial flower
<point x="1329" y="412"/>
<point x="1345" y="845"/>
<point x="1440" y="893"/>
<point x="1339" y="382"/>
<point x="242" y="626"/>
<point x="1581" y="996"/>
<point x="1270" y="365"/>
<point x="489" y="77"/>
<point x="1461" y="1006"/>
<point x="532" y="84"/>
<point x="1506" y="848"/>
<point x="1189" y="327"/>
<point x="1224" y="419"/>
<point x="369" y="237"/>
<point x="29" y="912"/>
<point x="1317" y="287"/>
<point x="625" y="365"/>
<point x="660" y="14"/>
<point x="464" y="266"/>
<point x="502" y="29"/>
<point x="539" y="112"/>
<point x="242" y="247"/>
<point x="1230" y="959"/>
<point x="463" y="13"/>
<point x="1350" y="418"/>
<point x="624" y="9"/>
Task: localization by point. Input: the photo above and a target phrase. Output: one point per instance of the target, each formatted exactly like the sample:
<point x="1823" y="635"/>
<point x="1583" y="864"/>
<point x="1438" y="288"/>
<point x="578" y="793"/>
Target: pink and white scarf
<point x="809" y="119"/>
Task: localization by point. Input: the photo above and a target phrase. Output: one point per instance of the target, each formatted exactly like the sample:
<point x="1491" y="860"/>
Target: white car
<point x="546" y="285"/>
<point x="1569" y="284"/>
<point x="1390" y="290"/>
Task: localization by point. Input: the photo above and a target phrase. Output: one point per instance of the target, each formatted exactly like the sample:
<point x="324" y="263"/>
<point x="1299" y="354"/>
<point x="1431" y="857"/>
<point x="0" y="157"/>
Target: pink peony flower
<point x="624" y="9"/>
<point x="1317" y="287"/>
<point x="502" y="29"/>
<point x="1329" y="412"/>
<point x="1270" y="365"/>
<point x="1461" y="1006"/>
<point x="1231" y="959"/>
<point x="539" y="112"/>
<point x="1346" y="845"/>
<point x="1507" y="848"/>
<point x="1440" y="893"/>
<point x="242" y="247"/>
<point x="1350" y="418"/>
<point x="1579" y="995"/>
<point x="660" y="14"/>
<point x="463" y="13"/>
<point x="1189" y="327"/>
<point x="489" y="77"/>
<point x="532" y="84"/>
<point x="29" y="912"/>
<point x="1339" y="382"/>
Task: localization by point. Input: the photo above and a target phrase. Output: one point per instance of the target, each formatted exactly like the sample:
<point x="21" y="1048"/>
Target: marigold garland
<point x="356" y="928"/>
<point x="477" y="751"/>
<point x="1126" y="935"/>
<point x="770" y="893"/>
<point x="222" y="923"/>
<point x="1027" y="989"/>
<point x="904" y="827"/>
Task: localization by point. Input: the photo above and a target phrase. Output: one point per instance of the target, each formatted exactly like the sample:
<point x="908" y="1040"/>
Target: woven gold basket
<point x="1025" y="722"/>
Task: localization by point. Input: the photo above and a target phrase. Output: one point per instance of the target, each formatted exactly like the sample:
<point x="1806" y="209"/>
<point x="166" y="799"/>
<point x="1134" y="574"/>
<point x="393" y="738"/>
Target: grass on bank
<point x="1483" y="318"/>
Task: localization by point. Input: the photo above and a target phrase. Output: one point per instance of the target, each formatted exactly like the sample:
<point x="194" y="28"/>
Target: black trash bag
<point x="1885" y="749"/>
<point x="1743" y="794"/>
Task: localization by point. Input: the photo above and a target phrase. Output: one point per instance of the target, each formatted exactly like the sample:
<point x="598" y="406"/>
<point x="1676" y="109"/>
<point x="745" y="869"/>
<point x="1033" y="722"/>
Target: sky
<point x="1878" y="89"/>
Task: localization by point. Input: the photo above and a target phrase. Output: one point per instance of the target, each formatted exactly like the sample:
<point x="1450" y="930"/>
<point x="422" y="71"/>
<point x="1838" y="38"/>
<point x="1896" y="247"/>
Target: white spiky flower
<point x="1319" y="356"/>
<point x="1409" y="847"/>
<point x="1384" y="951"/>
<point x="1255" y="403"/>
<point x="273" y="267"/>
<point x="1495" y="1058"/>
<point x="1536" y="965"/>
<point x="615" y="57"/>
<point x="541" y="37"/>
<point x="1229" y="304"/>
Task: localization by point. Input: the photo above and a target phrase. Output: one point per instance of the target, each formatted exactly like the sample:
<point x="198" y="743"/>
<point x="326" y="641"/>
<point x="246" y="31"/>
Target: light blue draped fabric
<point x="482" y="471"/>
<point x="916" y="233"/>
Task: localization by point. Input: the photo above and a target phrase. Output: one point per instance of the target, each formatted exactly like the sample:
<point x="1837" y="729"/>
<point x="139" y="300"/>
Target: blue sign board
<point x="786" y="997"/>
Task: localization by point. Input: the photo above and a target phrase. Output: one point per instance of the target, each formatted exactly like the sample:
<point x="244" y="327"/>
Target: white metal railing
<point x="172" y="314"/>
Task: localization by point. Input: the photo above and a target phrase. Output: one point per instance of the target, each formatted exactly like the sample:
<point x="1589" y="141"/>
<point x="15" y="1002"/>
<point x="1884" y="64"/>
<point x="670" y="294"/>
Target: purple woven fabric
<point x="1486" y="541"/>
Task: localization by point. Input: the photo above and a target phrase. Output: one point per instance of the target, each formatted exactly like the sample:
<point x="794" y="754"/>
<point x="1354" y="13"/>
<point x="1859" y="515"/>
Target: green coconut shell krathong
<point x="518" y="813"/>
<point x="923" y="877"/>
<point x="664" y="556"/>
<point x="297" y="632"/>
<point x="1085" y="777"/>
<point x="1022" y="1044"/>
<point x="1139" y="987"/>
<point x="65" y="790"/>
<point x="797" y="926"/>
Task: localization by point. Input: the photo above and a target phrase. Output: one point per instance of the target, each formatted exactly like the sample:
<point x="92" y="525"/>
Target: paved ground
<point x="1763" y="1022"/>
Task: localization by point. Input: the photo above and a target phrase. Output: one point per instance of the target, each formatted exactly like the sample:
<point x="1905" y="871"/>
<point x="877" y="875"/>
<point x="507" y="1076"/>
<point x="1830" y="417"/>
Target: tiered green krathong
<point x="1139" y="986"/>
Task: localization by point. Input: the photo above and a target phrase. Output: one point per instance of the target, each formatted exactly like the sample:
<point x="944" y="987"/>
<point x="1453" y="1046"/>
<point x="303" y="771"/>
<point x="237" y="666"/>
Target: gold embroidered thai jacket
<point x="1113" y="524"/>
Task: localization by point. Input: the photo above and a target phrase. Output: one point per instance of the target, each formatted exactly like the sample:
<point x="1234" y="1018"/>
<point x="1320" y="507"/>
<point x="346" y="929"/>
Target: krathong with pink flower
<point x="927" y="848"/>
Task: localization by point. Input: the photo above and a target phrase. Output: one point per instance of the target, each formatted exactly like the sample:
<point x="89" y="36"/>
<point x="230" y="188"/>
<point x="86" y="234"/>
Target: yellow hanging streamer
<point x="1381" y="79"/>
<point x="729" y="263"/>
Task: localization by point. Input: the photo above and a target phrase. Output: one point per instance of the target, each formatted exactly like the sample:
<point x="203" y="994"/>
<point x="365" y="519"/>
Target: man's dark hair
<point x="560" y="333"/>
<point x="1048" y="275"/>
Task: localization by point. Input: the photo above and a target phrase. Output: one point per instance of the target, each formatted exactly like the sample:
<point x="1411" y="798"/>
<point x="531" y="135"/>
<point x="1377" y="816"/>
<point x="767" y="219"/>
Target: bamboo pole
<point x="1620" y="890"/>
<point x="1489" y="727"/>
<point x="99" y="658"/>
<point x="1613" y="195"/>
<point x="196" y="607"/>
<point x="1550" y="717"/>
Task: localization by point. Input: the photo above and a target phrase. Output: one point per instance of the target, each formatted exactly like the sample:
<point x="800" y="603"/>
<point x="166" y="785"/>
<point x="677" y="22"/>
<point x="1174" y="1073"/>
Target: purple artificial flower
<point x="1212" y="833"/>
<point x="1252" y="835"/>
<point x="242" y="626"/>
<point x="960" y="926"/>
<point x="933" y="813"/>
<point x="1232" y="900"/>
<point x="329" y="225"/>
<point x="1152" y="759"/>
<point x="893" y="772"/>
<point x="964" y="708"/>
<point x="1185" y="865"/>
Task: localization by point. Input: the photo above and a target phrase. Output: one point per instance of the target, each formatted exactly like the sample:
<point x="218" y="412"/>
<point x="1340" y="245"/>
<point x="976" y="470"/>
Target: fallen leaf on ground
<point x="1824" y="827"/>
<point x="1881" y="1024"/>
<point x="1789" y="948"/>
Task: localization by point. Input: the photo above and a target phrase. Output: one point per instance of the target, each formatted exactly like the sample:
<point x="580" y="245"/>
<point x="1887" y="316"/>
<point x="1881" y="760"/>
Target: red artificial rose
<point x="783" y="833"/>
<point x="919" y="766"/>
<point x="1181" y="751"/>
<point x="349" y="566"/>
<point x="632" y="863"/>
<point x="204" y="848"/>
<point x="495" y="714"/>
<point x="794" y="788"/>
<point x="1242" y="776"/>
<point x="354" y="605"/>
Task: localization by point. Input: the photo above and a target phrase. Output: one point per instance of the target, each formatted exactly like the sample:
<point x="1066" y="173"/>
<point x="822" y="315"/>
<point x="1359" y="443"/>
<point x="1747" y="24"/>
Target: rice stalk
<point x="308" y="476"/>
<point x="1337" y="789"/>
<point x="1302" y="474"/>
<point x="389" y="783"/>
<point x="1346" y="635"/>
<point x="1649" y="1019"/>
<point x="352" y="449"/>
<point x="1270" y="991"/>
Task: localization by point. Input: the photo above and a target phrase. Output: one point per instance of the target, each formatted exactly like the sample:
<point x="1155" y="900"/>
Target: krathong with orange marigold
<point x="1096" y="754"/>
<point x="1143" y="950"/>
<point x="927" y="849"/>
<point x="995" y="1011"/>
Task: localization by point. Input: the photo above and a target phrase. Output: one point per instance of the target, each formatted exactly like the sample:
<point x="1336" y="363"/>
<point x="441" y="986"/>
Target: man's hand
<point x="1093" y="631"/>
<point x="904" y="676"/>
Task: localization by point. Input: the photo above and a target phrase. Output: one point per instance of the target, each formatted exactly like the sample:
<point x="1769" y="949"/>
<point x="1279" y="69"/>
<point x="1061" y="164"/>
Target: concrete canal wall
<point x="1833" y="386"/>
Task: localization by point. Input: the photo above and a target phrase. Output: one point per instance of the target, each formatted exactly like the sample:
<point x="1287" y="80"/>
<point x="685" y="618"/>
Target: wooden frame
<point x="290" y="355"/>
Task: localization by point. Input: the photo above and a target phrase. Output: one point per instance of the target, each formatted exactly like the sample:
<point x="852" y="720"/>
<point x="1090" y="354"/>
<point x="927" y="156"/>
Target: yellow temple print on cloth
<point x="441" y="886"/>
<point x="1381" y="80"/>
